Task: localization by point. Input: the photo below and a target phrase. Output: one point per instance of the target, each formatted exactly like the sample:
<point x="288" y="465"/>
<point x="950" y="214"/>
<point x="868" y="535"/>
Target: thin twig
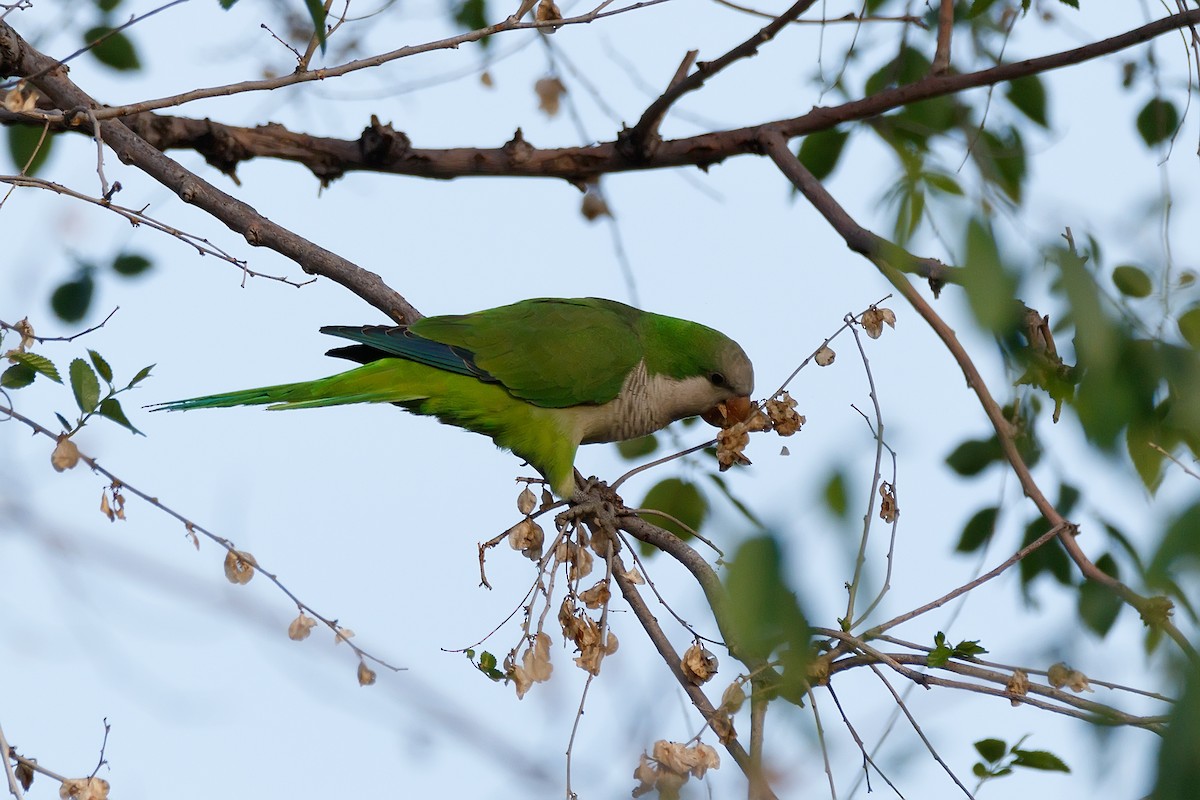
<point x="868" y="518"/>
<point x="14" y="786"/>
<point x="862" y="748"/>
<point x="103" y="745"/>
<point x="325" y="73"/>
<point x="916" y="727"/>
<point x="42" y="339"/>
<point x="139" y="217"/>
<point x="638" y="140"/>
<point x="816" y="712"/>
<point x="883" y="254"/>
<point x="193" y="528"/>
<point x="661" y="643"/>
<point x="907" y="19"/>
<point x="966" y="587"/>
<point x="1177" y="462"/>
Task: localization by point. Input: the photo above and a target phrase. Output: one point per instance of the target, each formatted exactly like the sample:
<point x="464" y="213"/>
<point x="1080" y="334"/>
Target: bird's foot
<point x="596" y="505"/>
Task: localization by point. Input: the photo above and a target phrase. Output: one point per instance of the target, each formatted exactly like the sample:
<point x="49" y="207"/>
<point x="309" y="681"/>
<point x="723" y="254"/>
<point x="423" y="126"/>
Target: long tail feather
<point x="373" y="383"/>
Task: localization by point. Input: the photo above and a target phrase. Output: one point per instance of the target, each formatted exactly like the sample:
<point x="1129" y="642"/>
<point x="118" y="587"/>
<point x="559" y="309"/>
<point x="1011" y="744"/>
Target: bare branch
<point x="941" y="56"/>
<point x="885" y="258"/>
<point x="236" y="215"/>
<point x="639" y="142"/>
<point x="329" y="158"/>
<point x="192" y="529"/>
<point x="669" y="655"/>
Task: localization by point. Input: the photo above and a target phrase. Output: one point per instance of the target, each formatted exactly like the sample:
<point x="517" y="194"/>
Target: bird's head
<point x="732" y="382"/>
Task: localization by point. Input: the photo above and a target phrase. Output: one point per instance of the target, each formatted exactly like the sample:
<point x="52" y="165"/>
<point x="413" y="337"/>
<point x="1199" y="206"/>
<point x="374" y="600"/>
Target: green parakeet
<point x="540" y="377"/>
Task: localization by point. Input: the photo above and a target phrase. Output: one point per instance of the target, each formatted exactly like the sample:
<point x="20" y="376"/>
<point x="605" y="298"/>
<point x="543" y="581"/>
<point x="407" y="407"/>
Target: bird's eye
<point x="716" y="379"/>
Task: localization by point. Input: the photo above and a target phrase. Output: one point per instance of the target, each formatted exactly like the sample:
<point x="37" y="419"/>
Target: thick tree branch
<point x="382" y="150"/>
<point x="17" y="57"/>
<point x="1152" y="610"/>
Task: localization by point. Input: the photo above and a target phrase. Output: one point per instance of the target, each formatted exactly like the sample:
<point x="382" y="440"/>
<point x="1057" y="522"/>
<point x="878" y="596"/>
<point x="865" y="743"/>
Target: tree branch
<point x="661" y="643"/>
<point x="1151" y="610"/>
<point x="639" y="142"/>
<point x="19" y="58"/>
<point x="329" y="158"/>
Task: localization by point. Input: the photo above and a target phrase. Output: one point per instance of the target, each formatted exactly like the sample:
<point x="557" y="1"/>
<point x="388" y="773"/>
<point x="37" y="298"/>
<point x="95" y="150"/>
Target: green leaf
<point x="943" y="183"/>
<point x="110" y="408"/>
<point x="1132" y="281"/>
<point x="66" y="426"/>
<point x="101" y="366"/>
<point x="979" y="7"/>
<point x="37" y="363"/>
<point x="1178" y="768"/>
<point x="84" y="385"/>
<point x="1068" y="496"/>
<point x="681" y="499"/>
<point x="765" y="614"/>
<point x="130" y="264"/>
<point x="1049" y="558"/>
<point x="141" y="376"/>
<point x="18" y="376"/>
<point x="974" y="456"/>
<point x="1039" y="759"/>
<point x="1028" y="94"/>
<point x="941" y="653"/>
<point x="316" y="12"/>
<point x="978" y="530"/>
<point x="23" y="143"/>
<point x="1180" y="548"/>
<point x="820" y="151"/>
<point x="70" y="301"/>
<point x="1189" y="326"/>
<point x="107" y="5"/>
<point x="991" y="750"/>
<point x="1157" y="121"/>
<point x="836" y="497"/>
<point x="991" y="288"/>
<point x="1098" y="606"/>
<point x="1001" y="160"/>
<point x="111" y="48"/>
<point x="227" y="4"/>
<point x="909" y="66"/>
<point x="910" y="213"/>
<point x="487" y="660"/>
<point x="968" y="648"/>
<point x="637" y="448"/>
<point x="471" y="15"/>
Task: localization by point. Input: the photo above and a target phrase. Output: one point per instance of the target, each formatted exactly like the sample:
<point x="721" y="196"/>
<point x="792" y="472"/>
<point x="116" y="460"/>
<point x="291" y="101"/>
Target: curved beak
<point x="729" y="412"/>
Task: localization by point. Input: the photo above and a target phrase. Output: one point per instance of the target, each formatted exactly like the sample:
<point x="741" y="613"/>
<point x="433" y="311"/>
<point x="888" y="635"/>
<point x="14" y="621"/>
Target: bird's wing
<point x="552" y="353"/>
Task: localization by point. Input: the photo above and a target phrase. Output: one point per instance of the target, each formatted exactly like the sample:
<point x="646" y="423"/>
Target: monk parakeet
<point x="540" y="377"/>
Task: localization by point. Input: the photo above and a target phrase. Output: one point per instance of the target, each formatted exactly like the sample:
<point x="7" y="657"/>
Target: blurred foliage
<point x="766" y="614"/>
<point x="679" y="499"/>
<point x="72" y="299"/>
<point x="471" y="15"/>
<point x="112" y="48"/>
<point x="28" y="148"/>
<point x="1178" y="768"/>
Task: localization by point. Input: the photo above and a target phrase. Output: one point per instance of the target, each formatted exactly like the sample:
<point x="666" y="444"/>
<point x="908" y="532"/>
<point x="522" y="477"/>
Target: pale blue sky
<point x="372" y="516"/>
